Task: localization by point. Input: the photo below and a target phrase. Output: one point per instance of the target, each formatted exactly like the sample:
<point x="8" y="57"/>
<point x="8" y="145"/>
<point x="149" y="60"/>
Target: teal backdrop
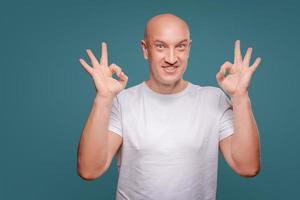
<point x="46" y="95"/>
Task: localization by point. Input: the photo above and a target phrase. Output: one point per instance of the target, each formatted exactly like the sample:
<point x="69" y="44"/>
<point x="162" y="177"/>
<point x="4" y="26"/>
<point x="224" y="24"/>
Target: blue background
<point x="46" y="95"/>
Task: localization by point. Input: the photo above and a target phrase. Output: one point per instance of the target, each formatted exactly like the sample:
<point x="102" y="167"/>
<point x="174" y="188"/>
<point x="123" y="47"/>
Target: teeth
<point x="169" y="69"/>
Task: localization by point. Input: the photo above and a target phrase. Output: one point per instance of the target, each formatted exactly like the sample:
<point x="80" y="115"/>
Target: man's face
<point x="167" y="49"/>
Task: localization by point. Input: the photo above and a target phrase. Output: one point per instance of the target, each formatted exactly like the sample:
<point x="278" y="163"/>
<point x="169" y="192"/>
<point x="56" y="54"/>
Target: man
<point x="166" y="131"/>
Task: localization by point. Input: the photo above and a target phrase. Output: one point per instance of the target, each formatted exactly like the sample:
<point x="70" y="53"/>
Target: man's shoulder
<point x="131" y="91"/>
<point x="206" y="90"/>
<point x="196" y="89"/>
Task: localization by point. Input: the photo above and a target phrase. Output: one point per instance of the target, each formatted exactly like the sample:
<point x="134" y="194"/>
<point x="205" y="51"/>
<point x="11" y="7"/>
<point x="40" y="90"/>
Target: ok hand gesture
<point x="106" y="85"/>
<point x="238" y="79"/>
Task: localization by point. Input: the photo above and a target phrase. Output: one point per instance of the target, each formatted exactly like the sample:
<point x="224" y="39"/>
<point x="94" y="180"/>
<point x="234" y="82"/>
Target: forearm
<point x="92" y="150"/>
<point x="245" y="147"/>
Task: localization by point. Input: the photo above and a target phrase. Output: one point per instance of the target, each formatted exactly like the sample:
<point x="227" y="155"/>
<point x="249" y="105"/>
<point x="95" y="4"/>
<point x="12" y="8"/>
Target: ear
<point x="190" y="45"/>
<point x="145" y="49"/>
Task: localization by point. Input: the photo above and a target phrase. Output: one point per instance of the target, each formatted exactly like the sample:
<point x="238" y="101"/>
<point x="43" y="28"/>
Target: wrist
<point x="240" y="95"/>
<point x="240" y="99"/>
<point x="100" y="99"/>
<point x="107" y="96"/>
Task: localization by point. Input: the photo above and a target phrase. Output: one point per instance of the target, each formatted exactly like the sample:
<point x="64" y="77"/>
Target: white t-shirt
<point x="170" y="141"/>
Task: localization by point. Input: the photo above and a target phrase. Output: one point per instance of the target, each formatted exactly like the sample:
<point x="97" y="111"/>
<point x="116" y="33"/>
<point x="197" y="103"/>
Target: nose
<point x="171" y="57"/>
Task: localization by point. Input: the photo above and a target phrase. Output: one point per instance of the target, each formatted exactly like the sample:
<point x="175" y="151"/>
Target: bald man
<point x="166" y="132"/>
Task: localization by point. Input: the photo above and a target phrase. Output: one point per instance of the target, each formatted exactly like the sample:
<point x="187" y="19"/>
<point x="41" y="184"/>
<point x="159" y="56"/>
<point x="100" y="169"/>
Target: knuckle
<point x="227" y="63"/>
<point x="112" y="67"/>
<point x="119" y="68"/>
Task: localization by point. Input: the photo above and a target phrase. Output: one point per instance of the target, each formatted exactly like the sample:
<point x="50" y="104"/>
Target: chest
<point x="168" y="125"/>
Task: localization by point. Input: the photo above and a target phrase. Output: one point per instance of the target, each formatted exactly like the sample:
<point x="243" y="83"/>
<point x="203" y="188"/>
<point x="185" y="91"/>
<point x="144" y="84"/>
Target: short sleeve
<point x="115" y="124"/>
<point x="226" y="127"/>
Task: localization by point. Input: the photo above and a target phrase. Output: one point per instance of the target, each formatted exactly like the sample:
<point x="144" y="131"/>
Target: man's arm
<point x="97" y="145"/>
<point x="242" y="149"/>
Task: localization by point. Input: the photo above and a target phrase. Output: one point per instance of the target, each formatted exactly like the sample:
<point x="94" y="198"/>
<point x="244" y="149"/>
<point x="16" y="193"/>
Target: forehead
<point x="168" y="32"/>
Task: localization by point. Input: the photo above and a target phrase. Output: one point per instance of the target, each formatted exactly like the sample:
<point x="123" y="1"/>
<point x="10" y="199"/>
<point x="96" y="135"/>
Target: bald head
<point x="164" y="21"/>
<point x="166" y="46"/>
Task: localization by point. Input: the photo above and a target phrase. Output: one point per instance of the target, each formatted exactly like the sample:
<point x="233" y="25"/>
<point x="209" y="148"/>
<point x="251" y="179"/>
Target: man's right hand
<point x="106" y="85"/>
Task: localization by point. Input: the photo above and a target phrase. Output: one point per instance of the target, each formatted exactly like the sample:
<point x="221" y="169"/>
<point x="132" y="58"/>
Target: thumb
<point x="123" y="79"/>
<point x="221" y="74"/>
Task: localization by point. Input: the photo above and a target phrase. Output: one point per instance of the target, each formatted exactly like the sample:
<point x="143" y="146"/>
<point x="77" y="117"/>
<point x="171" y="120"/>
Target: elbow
<point x="249" y="173"/>
<point x="89" y="175"/>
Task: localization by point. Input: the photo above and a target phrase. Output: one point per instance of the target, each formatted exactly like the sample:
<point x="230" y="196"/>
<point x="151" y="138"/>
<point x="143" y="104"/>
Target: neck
<point x="162" y="88"/>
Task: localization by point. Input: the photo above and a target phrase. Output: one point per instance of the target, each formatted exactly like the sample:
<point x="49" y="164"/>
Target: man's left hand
<point x="240" y="73"/>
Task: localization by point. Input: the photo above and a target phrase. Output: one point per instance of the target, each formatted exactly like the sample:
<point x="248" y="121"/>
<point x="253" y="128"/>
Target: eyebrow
<point x="185" y="40"/>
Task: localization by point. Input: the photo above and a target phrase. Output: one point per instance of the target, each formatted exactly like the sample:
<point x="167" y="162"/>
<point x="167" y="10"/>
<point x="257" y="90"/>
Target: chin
<point x="170" y="80"/>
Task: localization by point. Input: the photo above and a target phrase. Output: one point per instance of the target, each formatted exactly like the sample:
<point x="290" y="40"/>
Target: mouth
<point x="170" y="69"/>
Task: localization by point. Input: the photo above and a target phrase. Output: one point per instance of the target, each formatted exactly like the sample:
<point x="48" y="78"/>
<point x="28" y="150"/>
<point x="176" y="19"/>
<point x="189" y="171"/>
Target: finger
<point x="86" y="66"/>
<point x="104" y="59"/>
<point x="255" y="64"/>
<point x="93" y="59"/>
<point x="237" y="52"/>
<point x="247" y="57"/>
<point x="123" y="79"/>
<point x="115" y="69"/>
<point x="227" y="66"/>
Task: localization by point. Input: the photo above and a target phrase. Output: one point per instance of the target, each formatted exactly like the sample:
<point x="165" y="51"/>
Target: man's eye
<point x="181" y="46"/>
<point x="160" y="46"/>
